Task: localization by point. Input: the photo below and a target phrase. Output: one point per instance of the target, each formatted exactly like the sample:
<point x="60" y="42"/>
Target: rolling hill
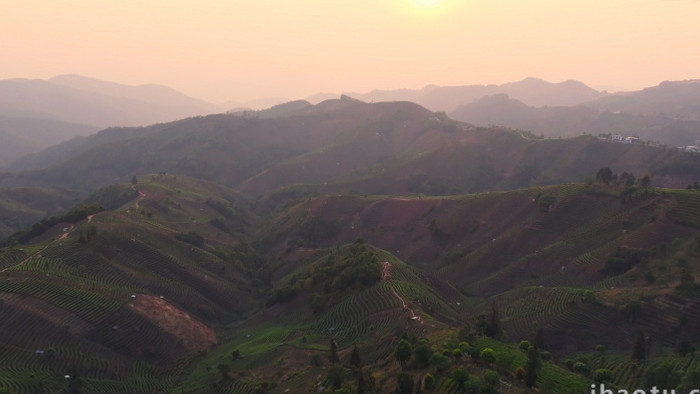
<point x="346" y="145"/>
<point x="182" y="288"/>
<point x="561" y="121"/>
<point x="347" y="246"/>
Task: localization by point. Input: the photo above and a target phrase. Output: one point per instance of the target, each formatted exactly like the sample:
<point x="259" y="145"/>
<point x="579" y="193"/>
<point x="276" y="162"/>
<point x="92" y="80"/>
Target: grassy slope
<point x="75" y="296"/>
<point x="467" y="253"/>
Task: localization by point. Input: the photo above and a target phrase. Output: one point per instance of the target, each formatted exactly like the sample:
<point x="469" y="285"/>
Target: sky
<point x="235" y="50"/>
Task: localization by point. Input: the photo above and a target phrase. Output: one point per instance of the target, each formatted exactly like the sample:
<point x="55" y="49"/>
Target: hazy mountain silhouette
<point x="72" y="98"/>
<point x="575" y="120"/>
<point x="22" y="136"/>
<point x="346" y="144"/>
<point x="680" y="99"/>
<point x="531" y="91"/>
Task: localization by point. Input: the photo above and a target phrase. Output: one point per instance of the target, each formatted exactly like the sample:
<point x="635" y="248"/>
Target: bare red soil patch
<point x="193" y="334"/>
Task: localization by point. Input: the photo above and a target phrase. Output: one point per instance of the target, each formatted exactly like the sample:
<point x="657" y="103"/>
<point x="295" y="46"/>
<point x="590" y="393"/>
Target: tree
<point x="457" y="354"/>
<point x="602" y="375"/>
<point x="639" y="351"/>
<point x="429" y="381"/>
<point x="604" y="175"/>
<point x="440" y="362"/>
<point x="491" y="377"/>
<point x="489" y="326"/>
<point x="403" y="352"/>
<point x="645" y="181"/>
<point x="335" y="376"/>
<point x="488" y="355"/>
<point x="361" y="386"/>
<point x="532" y="366"/>
<point x="601" y="350"/>
<point x="461" y="377"/>
<point x="539" y="338"/>
<point x="134" y="180"/>
<point x="421" y="355"/>
<point x="355" y="357"/>
<point x="404" y="383"/>
<point x="75" y="383"/>
<point x="494" y="327"/>
<point x="333" y="355"/>
<point x="627" y="179"/>
<point x="524" y="345"/>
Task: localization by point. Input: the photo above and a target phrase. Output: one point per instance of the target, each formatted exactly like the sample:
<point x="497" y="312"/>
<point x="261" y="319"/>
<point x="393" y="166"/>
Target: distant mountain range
<point x="560" y="121"/>
<point x="77" y="99"/>
<point x="35" y="114"/>
<point x="532" y="91"/>
<point x="21" y="136"/>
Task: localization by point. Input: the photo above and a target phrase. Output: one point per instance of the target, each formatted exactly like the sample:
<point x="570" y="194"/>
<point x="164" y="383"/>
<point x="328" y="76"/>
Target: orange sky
<point x="238" y="50"/>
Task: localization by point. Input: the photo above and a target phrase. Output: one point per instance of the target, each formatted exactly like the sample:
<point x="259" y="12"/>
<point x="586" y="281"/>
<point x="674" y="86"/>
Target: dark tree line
<point x="606" y="176"/>
<point x="73" y="216"/>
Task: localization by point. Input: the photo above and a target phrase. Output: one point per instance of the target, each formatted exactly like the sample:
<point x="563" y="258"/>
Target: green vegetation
<point x="73" y="216"/>
<point x="357" y="268"/>
<point x="478" y="266"/>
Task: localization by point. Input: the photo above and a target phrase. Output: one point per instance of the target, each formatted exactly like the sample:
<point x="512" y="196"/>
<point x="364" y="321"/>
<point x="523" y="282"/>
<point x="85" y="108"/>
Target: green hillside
<point x="373" y="248"/>
<point x="182" y="288"/>
<point x="347" y="146"/>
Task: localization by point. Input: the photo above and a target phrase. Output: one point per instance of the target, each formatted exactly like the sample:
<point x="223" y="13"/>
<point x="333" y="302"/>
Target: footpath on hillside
<point x="386" y="275"/>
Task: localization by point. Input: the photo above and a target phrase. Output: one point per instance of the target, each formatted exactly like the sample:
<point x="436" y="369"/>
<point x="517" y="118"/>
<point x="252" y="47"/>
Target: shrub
<point x="602" y="375"/>
<point x="491" y="377"/>
<point x="429" y="381"/>
<point x="440" y="362"/>
<point x="488" y="355"/>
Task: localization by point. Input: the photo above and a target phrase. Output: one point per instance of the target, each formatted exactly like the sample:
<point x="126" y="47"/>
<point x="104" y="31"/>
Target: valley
<point x="348" y="247"/>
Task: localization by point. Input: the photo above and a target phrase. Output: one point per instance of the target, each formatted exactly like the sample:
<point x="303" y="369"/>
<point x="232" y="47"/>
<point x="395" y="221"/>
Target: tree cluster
<point x="358" y="269"/>
<point x="606" y="176"/>
<point x="73" y="216"/>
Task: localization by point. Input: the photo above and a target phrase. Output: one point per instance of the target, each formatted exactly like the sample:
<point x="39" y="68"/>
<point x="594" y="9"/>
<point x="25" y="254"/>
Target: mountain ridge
<point x="87" y="101"/>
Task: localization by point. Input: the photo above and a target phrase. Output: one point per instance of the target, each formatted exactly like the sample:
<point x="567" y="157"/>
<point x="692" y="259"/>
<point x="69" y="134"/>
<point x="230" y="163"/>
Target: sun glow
<point x="428" y="7"/>
<point x="427" y="3"/>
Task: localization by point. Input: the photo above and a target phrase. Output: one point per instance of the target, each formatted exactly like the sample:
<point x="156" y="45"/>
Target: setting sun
<point x="427" y="3"/>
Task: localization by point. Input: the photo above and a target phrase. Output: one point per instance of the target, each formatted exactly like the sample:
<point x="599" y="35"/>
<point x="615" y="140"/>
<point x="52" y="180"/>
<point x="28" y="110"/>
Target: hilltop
<point x="344" y="145"/>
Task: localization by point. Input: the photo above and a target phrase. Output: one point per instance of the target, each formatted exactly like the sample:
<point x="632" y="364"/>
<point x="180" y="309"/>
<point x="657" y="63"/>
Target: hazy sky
<point x="238" y="50"/>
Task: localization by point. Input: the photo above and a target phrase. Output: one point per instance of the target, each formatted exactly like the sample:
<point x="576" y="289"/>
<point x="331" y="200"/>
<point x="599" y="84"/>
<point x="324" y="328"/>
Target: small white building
<point x="617" y="137"/>
<point x="632" y="140"/>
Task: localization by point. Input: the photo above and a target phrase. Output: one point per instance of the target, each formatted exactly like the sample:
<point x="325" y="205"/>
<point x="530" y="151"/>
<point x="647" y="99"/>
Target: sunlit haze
<point x="240" y="50"/>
